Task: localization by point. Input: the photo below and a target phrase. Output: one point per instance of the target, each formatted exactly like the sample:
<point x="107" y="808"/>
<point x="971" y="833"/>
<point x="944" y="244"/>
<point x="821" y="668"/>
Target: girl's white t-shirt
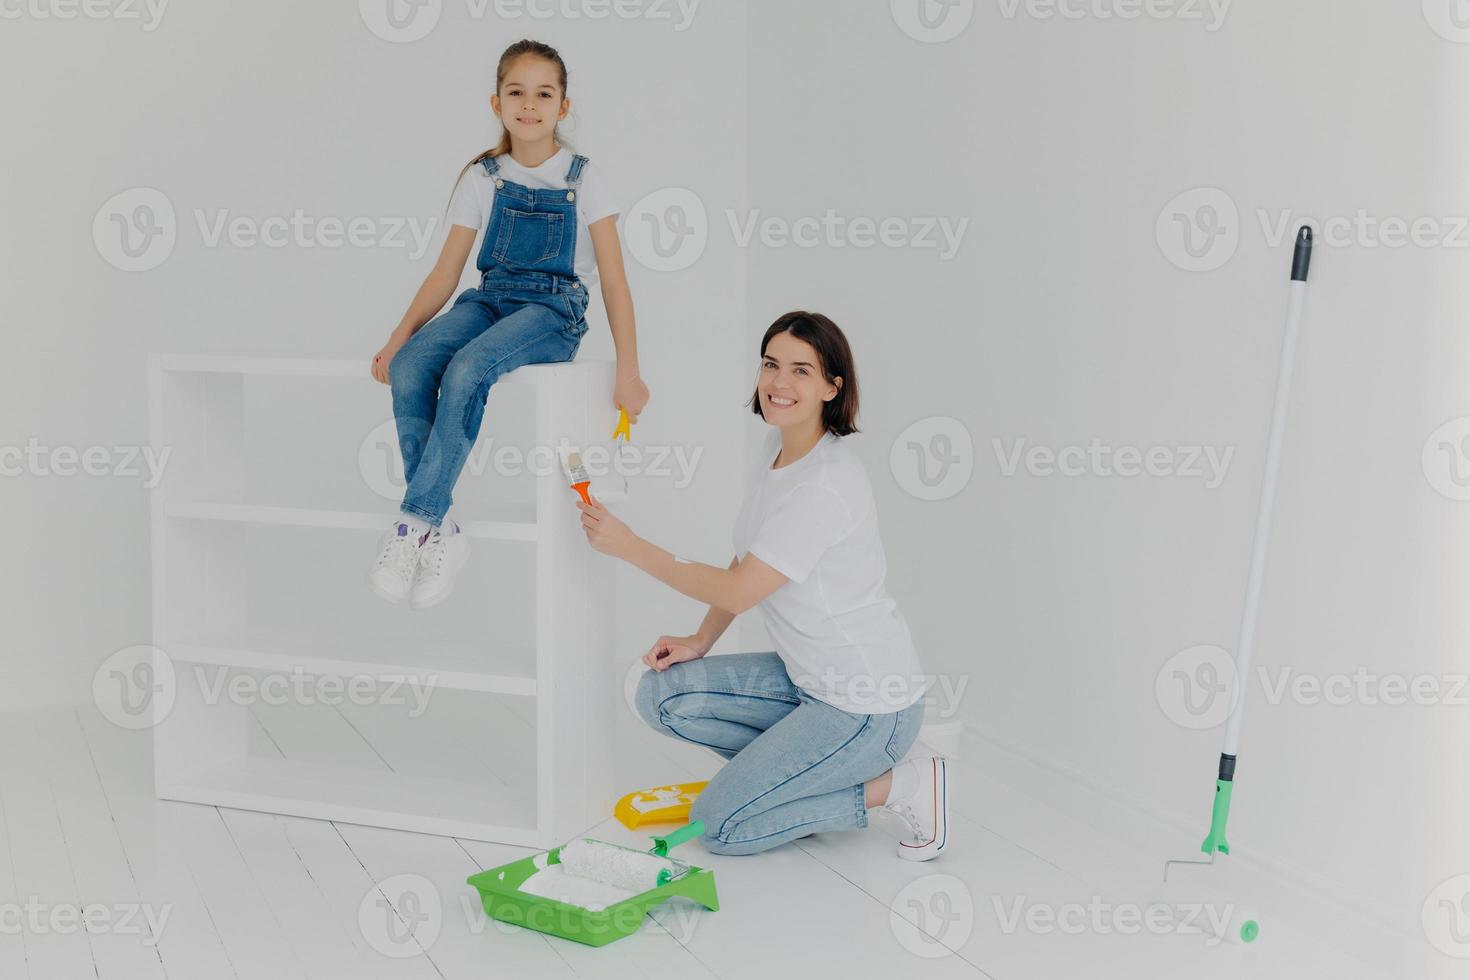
<point x="834" y="625"/>
<point x="469" y="206"/>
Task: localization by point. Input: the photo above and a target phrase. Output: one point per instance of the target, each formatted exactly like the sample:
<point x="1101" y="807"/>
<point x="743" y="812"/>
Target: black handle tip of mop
<point x="1301" y="260"/>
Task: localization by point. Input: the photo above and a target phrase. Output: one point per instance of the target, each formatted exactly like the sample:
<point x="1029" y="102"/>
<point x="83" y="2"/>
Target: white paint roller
<point x="620" y="867"/>
<point x="623" y="867"/>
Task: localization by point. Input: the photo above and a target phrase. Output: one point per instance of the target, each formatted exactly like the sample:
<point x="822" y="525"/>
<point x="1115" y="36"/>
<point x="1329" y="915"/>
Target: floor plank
<point x="41" y="865"/>
<point x="150" y="831"/>
<point x="12" y="943"/>
<point x="128" y="948"/>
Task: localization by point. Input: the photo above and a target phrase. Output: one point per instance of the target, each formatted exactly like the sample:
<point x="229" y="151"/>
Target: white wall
<point x="1060" y="319"/>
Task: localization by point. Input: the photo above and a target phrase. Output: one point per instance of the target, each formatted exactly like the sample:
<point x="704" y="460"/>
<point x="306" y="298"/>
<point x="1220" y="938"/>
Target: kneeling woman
<point x="817" y="730"/>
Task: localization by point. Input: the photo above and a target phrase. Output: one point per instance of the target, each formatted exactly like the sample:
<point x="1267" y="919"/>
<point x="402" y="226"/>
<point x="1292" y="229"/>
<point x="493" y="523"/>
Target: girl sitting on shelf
<point x="550" y="230"/>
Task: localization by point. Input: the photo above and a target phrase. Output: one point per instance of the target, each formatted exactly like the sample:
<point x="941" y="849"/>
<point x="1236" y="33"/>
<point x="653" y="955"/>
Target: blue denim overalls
<point x="528" y="309"/>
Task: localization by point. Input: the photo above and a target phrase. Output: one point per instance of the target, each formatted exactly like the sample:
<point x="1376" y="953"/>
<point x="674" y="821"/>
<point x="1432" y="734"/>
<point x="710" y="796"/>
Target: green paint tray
<point x="503" y="900"/>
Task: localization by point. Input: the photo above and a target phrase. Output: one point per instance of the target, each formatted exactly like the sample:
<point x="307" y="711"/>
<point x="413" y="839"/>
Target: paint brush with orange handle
<point x="578" y="473"/>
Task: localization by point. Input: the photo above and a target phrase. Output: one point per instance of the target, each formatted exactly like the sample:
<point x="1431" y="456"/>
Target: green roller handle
<point x="689" y="831"/>
<point x="1218" y="818"/>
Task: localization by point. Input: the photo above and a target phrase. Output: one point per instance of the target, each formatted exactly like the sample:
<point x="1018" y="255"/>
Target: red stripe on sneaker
<point x="934" y="769"/>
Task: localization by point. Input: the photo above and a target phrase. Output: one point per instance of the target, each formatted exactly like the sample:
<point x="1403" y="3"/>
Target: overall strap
<point x="488" y="162"/>
<point x="574" y="173"/>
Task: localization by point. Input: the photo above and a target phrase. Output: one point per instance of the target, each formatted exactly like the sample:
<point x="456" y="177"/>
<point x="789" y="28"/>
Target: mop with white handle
<point x="1243" y="923"/>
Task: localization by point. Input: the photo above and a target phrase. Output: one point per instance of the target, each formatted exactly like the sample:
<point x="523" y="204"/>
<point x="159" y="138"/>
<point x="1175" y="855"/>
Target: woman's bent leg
<point x="721" y="702"/>
<point x="803" y="775"/>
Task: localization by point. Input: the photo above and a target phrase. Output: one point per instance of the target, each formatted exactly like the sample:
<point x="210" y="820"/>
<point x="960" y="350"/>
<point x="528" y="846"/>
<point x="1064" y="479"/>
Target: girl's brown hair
<point x="536" y="49"/>
<point x="839" y="415"/>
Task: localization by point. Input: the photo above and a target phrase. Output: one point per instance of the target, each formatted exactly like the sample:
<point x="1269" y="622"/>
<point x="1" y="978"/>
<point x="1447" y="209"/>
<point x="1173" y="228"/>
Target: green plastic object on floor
<point x="502" y="899"/>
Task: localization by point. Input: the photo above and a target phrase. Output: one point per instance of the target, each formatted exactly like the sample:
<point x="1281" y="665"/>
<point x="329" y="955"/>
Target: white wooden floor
<point x="260" y="897"/>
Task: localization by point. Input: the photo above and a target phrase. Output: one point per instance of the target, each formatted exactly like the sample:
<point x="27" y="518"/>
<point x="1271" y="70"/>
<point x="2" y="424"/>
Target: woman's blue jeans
<point x="796" y="765"/>
<point x="442" y="375"/>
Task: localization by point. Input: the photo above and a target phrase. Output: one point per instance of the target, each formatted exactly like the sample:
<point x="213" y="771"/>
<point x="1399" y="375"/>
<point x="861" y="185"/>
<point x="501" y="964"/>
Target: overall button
<point x="499" y="183"/>
<point x="571" y="195"/>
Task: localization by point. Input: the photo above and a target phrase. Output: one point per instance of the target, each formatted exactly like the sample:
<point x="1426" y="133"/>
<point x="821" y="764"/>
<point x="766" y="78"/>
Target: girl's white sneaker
<point x="440" y="560"/>
<point x="925" y="813"/>
<point x="392" y="574"/>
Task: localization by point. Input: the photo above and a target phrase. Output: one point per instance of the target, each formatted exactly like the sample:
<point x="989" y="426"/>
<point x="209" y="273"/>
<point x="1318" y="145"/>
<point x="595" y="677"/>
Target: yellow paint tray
<point x="659" y="804"/>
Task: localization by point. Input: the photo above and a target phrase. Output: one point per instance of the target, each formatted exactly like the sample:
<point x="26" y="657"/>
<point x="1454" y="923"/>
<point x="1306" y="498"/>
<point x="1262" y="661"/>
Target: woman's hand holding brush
<point x="605" y="533"/>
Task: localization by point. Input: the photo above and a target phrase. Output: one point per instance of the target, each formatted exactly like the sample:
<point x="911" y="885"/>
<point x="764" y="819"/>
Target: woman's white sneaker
<point x="392" y="574"/>
<point x="440" y="560"/>
<point x="924" y="812"/>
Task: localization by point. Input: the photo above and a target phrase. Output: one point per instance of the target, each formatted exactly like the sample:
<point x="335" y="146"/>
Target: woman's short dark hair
<point x="839" y="415"/>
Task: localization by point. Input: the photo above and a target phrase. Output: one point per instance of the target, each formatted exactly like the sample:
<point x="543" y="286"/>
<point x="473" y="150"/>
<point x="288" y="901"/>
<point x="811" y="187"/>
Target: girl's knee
<point x="461" y="378"/>
<point x="407" y="370"/>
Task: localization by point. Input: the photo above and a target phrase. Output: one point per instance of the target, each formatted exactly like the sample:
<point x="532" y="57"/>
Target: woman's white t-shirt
<point x="838" y="632"/>
<point x="469" y="206"/>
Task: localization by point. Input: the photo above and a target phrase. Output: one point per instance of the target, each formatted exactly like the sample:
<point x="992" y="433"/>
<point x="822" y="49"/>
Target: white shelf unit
<point x="201" y="617"/>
